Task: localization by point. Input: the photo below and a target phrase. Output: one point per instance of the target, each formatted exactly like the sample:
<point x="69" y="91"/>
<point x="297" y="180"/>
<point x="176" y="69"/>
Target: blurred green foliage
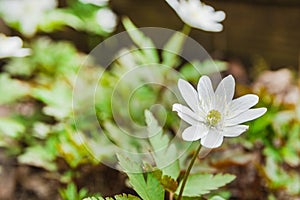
<point x="72" y="193"/>
<point x="38" y="126"/>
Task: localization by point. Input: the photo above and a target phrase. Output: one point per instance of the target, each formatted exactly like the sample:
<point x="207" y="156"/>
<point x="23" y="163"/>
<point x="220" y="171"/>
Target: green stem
<point x="187" y="173"/>
<point x="186" y="29"/>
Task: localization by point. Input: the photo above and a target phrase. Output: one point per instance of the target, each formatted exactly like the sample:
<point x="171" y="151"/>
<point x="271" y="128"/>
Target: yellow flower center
<point x="213" y="117"/>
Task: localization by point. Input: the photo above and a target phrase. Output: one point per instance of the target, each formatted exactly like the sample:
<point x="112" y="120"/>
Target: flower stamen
<point x="213" y="117"/>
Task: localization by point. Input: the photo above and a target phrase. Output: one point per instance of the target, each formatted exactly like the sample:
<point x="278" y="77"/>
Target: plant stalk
<point x="187" y="173"/>
<point x="186" y="29"/>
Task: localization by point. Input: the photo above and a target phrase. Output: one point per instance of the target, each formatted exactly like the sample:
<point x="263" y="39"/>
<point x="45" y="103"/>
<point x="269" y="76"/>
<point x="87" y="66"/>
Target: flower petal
<point x="174" y="4"/>
<point x="224" y="93"/>
<point x="211" y="27"/>
<point x="245" y="116"/>
<point x="22" y="52"/>
<point x="213" y="139"/>
<point x="219" y="16"/>
<point x="206" y="93"/>
<point x="186" y="114"/>
<point x="195" y="132"/>
<point x="241" y="104"/>
<point x="234" y="131"/>
<point x="225" y="89"/>
<point x="189" y="94"/>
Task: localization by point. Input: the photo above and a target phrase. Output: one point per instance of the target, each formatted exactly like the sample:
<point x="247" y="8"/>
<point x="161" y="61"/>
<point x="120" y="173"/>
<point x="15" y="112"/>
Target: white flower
<point x="106" y="19"/>
<point x="214" y="115"/>
<point x="198" y="15"/>
<point x="12" y="47"/>
<point x="95" y="2"/>
<point x="28" y="13"/>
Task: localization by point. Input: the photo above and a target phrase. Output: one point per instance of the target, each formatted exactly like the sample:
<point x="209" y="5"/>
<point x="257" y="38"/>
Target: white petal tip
<point x="212" y="28"/>
<point x="263" y="111"/>
<point x="220" y="15"/>
<point x="204" y="78"/>
<point x="230" y="77"/>
<point x="182" y="82"/>
<point x="211" y="146"/>
<point x="176" y="107"/>
<point x="173" y="3"/>
<point x="260" y="111"/>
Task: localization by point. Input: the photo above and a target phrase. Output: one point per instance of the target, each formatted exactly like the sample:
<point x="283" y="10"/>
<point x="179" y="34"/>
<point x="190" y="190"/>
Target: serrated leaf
<point x="143" y="42"/>
<point x="116" y="197"/>
<point x="93" y="198"/>
<point x="126" y="197"/>
<point x="72" y="192"/>
<point x="157" y="174"/>
<point x="199" y="184"/>
<point x="149" y="188"/>
<point x="172" y="49"/>
<point x="165" y="154"/>
<point x="154" y="188"/>
<point x="115" y="133"/>
<point x="169" y="184"/>
<point x="157" y="139"/>
<point x="173" y="169"/>
<point x="128" y="165"/>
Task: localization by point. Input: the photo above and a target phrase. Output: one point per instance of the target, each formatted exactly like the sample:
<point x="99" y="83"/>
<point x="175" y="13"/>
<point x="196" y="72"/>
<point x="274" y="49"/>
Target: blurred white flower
<point x="28" y="13"/>
<point x="214" y="115"/>
<point x="12" y="47"/>
<point x="95" y="2"/>
<point x="198" y="15"/>
<point x="106" y="19"/>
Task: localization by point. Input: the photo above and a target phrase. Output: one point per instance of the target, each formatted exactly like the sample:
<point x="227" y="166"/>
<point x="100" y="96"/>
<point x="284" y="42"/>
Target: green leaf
<point x="149" y="188"/>
<point x="173" y="169"/>
<point x="199" y="184"/>
<point x="38" y="156"/>
<point x="165" y="155"/>
<point x="57" y="19"/>
<point x="216" y="198"/>
<point x="72" y="192"/>
<point x="11" y="128"/>
<point x="192" y="71"/>
<point x="281" y="178"/>
<point x="49" y="60"/>
<point x="290" y="156"/>
<point x="126" y="197"/>
<point x="93" y="198"/>
<point x="143" y="42"/>
<point x="168" y="183"/>
<point x="58" y="99"/>
<point x="116" y="197"/>
<point x="20" y="66"/>
<point x="172" y="49"/>
<point x="11" y="89"/>
<point x="114" y="134"/>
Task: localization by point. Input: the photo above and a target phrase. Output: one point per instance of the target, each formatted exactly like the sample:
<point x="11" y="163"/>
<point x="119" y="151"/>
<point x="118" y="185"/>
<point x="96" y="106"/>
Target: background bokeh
<point x="45" y="154"/>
